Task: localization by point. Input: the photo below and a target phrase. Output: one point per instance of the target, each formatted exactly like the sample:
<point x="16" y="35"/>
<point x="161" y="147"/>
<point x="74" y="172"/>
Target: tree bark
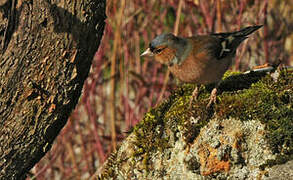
<point x="46" y="50"/>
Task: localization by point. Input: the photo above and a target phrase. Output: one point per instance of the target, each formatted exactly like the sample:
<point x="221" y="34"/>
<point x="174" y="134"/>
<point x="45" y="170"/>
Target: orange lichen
<point x="210" y="162"/>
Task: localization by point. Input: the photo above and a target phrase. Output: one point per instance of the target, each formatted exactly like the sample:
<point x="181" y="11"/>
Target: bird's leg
<point x="194" y="95"/>
<point x="213" y="96"/>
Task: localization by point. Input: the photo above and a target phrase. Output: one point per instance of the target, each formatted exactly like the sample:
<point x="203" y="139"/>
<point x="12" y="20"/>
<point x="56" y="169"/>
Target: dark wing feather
<point x="230" y="41"/>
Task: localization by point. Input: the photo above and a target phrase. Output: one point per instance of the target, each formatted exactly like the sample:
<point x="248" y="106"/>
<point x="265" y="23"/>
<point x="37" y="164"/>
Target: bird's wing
<point x="230" y="41"/>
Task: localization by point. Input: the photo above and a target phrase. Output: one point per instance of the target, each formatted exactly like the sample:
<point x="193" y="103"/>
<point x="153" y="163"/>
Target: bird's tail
<point x="242" y="33"/>
<point x="230" y="41"/>
<point x="246" y="31"/>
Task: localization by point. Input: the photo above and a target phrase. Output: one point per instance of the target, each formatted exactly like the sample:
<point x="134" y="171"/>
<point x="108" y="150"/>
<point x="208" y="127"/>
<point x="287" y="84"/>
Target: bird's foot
<point x="194" y="96"/>
<point x="213" y="98"/>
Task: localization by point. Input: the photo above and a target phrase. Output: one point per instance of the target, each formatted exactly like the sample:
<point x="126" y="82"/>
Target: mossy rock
<point x="246" y="100"/>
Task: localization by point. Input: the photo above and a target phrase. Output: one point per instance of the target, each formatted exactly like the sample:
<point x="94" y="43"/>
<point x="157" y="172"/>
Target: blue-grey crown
<point x="163" y="39"/>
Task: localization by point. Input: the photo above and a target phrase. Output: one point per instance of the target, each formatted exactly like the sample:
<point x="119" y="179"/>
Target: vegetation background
<point x="121" y="86"/>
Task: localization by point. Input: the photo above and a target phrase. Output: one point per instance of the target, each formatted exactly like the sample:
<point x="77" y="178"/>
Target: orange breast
<point x="201" y="68"/>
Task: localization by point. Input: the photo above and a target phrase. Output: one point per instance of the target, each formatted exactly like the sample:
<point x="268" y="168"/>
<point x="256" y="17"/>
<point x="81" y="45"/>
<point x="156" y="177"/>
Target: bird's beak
<point x="147" y="52"/>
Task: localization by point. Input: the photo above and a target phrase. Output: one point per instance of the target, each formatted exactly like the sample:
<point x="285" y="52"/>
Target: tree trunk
<point x="46" y="50"/>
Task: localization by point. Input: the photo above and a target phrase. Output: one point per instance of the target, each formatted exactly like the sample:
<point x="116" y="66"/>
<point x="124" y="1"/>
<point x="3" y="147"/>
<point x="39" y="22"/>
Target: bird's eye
<point x="157" y="51"/>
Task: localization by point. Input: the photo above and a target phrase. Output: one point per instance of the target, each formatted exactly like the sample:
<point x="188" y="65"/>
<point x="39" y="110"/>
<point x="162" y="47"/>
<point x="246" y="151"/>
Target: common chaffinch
<point x="201" y="59"/>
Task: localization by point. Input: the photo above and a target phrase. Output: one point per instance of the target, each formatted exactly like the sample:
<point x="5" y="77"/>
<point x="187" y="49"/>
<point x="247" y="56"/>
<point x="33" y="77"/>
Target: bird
<point x="199" y="59"/>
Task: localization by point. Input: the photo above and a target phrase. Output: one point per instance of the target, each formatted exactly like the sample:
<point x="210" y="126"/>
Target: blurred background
<point x="121" y="86"/>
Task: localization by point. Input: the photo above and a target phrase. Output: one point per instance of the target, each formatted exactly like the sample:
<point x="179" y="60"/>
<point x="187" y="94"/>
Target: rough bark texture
<point x="246" y="135"/>
<point x="46" y="50"/>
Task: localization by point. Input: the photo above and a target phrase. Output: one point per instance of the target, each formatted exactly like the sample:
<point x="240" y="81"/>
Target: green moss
<point x="265" y="100"/>
<point x="269" y="102"/>
<point x="149" y="131"/>
<point x="108" y="168"/>
<point x="171" y="116"/>
<point x="168" y="117"/>
<point x="230" y="73"/>
<point x="178" y="111"/>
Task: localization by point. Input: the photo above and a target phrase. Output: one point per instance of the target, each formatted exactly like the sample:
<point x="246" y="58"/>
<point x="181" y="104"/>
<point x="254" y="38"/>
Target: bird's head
<point x="165" y="48"/>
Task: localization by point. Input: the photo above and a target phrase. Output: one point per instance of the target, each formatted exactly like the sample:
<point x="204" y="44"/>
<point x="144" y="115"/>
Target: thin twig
<point x="219" y="16"/>
<point x="239" y="19"/>
<point x="117" y="38"/>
